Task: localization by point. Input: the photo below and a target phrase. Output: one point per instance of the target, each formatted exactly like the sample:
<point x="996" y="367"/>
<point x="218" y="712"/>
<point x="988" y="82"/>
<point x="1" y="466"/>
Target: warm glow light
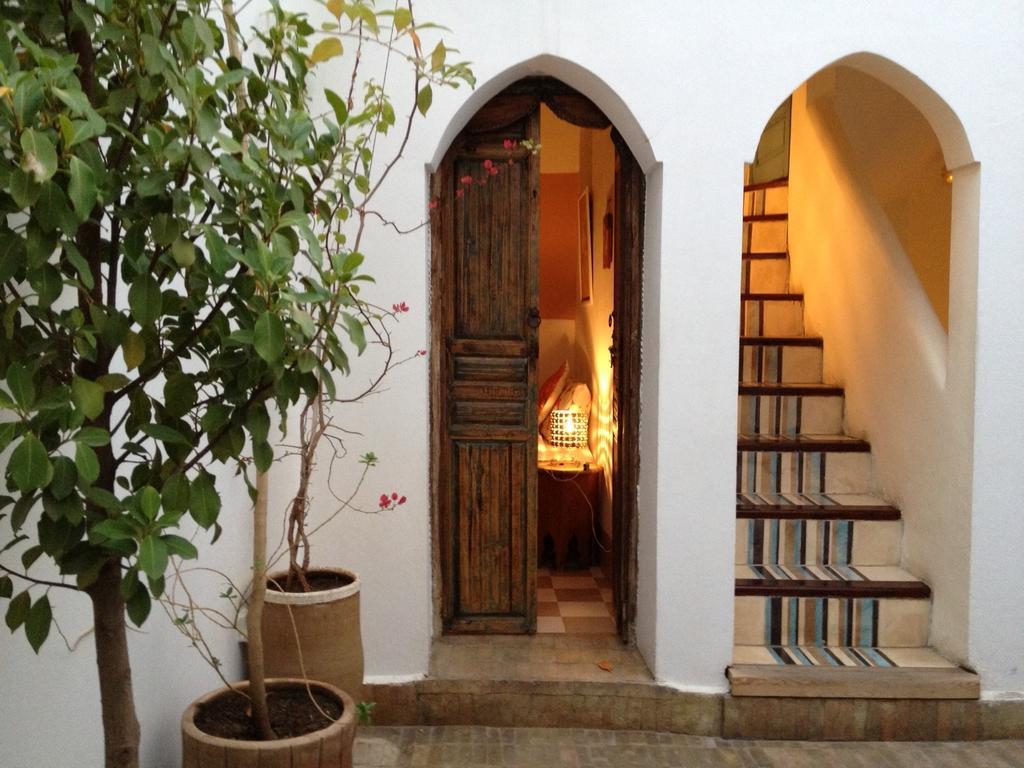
<point x="568" y="428"/>
<point x="948" y="176"/>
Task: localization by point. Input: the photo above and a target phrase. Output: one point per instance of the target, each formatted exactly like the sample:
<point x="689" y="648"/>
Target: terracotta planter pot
<point x="327" y="627"/>
<point x="330" y="747"/>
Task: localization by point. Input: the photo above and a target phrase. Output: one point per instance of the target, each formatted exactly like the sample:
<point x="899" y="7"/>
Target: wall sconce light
<point x="947" y="176"/>
<point x="568" y="428"/>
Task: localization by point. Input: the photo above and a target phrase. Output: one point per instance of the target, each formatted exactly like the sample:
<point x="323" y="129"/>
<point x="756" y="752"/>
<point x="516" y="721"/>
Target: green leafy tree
<point x="173" y="273"/>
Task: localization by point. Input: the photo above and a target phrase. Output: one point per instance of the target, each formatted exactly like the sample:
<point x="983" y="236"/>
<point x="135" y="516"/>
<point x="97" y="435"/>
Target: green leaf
<point x="325" y="50"/>
<point x="144" y="300"/>
<point x="64" y="477"/>
<point x="82" y="189"/>
<point x="52" y="210"/>
<point x="17" y="611"/>
<point x="138" y="606"/>
<point x="183" y="548"/>
<point x="29" y="465"/>
<point x="338" y="105"/>
<point x="355" y="329"/>
<point x="115" y="529"/>
<point x="76" y="101"/>
<point x="152" y="557"/>
<point x="12" y="255"/>
<point x="263" y="455"/>
<point x="24" y="188"/>
<point x="258" y="423"/>
<point x="6" y="587"/>
<point x="94" y="436"/>
<point x="149" y="501"/>
<point x="424" y="99"/>
<point x="48" y="284"/>
<point x="19" y="381"/>
<point x="437" y="56"/>
<point x="87" y="396"/>
<point x="179" y="394"/>
<point x="87" y="464"/>
<point x="336" y="7"/>
<point x="175" y="493"/>
<point x="165" y="434"/>
<point x="134" y="350"/>
<point x="268" y="337"/>
<point x="40" y="156"/>
<point x="204" y="501"/>
<point x="37" y="624"/>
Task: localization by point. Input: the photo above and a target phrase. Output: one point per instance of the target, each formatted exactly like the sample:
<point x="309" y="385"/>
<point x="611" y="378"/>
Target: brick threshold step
<point x="853" y="682"/>
<point x="762" y="389"/>
<point x="808" y="512"/>
<point x="851" y="590"/>
<point x="781" y="341"/>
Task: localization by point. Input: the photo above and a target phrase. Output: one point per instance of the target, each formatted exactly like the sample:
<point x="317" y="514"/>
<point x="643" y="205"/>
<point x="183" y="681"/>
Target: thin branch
<point x="37" y="582"/>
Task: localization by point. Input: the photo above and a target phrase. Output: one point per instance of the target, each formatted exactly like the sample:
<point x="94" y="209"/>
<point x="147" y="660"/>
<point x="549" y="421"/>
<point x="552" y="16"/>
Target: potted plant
<point x="341" y="192"/>
<point x="161" y="284"/>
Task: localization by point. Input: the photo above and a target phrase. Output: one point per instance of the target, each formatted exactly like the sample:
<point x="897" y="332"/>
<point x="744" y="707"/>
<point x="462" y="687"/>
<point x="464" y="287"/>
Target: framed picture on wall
<point x="585" y="247"/>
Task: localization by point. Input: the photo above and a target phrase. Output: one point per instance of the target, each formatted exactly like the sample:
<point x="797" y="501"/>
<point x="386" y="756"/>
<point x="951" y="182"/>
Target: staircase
<point x="822" y="606"/>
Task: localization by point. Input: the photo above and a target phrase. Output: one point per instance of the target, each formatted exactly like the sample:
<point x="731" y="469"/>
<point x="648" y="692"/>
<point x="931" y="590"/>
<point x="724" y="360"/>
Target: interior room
<point x="575" y="409"/>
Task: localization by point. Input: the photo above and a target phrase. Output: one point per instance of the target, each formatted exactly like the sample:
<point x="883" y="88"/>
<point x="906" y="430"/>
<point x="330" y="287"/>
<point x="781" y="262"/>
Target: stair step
<point x="765" y="276"/>
<point x="788" y="389"/>
<point x="780" y="362"/>
<point x="797" y="506"/>
<point x="944" y="681"/>
<point x="816" y="541"/>
<point x="772" y="314"/>
<point x="781" y="341"/>
<point x="757" y="255"/>
<point x="783" y="182"/>
<point x="758" y="217"/>
<point x="853" y="582"/>
<point x="844" y="618"/>
<point x="803" y="443"/>
<point x="789" y="413"/>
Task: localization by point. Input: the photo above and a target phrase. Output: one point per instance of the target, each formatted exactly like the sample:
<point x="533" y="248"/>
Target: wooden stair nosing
<point x="758" y="185"/>
<point x="900" y="590"/>
<point x="779" y="444"/>
<point x="783" y="389"/>
<point x="758" y="217"/>
<point x="771" y="296"/>
<point x="781" y="341"/>
<point x="756" y="255"/>
<point x="815" y="512"/>
<point x="853" y="682"/>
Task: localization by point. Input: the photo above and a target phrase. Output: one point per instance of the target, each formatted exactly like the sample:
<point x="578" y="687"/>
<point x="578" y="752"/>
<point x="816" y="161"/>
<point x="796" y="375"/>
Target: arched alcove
<point x="878" y="246"/>
<point x="636" y="162"/>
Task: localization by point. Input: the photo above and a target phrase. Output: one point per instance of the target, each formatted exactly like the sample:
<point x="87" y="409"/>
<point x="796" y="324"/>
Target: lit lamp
<point x="568" y="428"/>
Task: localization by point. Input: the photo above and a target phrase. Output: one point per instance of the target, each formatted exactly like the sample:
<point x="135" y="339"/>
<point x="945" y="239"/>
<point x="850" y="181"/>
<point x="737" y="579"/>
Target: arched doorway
<point x="487" y="315"/>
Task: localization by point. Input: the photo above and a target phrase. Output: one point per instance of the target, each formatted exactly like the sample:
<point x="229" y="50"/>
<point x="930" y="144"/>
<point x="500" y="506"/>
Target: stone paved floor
<point x="478" y="747"/>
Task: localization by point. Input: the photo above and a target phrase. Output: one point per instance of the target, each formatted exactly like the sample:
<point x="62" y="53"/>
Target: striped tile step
<point x="850" y="621"/>
<point x="840" y="656"/>
<point x="766" y="275"/>
<point x="809" y="541"/>
<point x="766" y="235"/>
<point x="779" y="465"/>
<point x="855" y="581"/>
<point x="789" y="409"/>
<point x="835" y="506"/>
<point x="772" y="314"/>
<point x="781" y="359"/>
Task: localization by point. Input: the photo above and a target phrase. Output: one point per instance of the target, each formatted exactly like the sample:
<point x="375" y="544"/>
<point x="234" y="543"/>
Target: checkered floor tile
<point x="574" y="602"/>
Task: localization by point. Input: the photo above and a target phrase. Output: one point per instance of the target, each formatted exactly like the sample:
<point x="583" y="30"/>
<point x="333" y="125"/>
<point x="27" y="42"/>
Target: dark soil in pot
<point x="319" y="581"/>
<point x="291" y="714"/>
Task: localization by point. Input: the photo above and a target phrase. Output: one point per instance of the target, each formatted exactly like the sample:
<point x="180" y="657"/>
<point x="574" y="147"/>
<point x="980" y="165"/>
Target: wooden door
<point x="484" y="252"/>
<point x="628" y="255"/>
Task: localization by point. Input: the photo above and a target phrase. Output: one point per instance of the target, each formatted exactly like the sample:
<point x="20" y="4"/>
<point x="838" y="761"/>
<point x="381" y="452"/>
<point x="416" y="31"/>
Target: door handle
<point x="533" y="317"/>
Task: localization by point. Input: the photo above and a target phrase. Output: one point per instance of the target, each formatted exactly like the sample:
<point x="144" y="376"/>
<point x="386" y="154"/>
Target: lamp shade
<point x="568" y="428"/>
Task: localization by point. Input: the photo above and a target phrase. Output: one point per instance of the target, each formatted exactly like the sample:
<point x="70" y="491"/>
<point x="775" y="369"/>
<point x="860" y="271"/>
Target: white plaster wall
<point x="690" y="87"/>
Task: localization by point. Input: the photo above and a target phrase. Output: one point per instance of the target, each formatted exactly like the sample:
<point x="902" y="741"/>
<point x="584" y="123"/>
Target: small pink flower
<point x="421" y="353"/>
<point x="510" y="161"/>
<point x="459" y="193"/>
<point x="467" y="180"/>
<point x="403" y="307"/>
<point x="384" y="501"/>
<point x="394" y="497"/>
<point x="509" y="143"/>
<point x="401" y="500"/>
<point x="493" y="170"/>
<point x="433" y="205"/>
<point x="488" y="164"/>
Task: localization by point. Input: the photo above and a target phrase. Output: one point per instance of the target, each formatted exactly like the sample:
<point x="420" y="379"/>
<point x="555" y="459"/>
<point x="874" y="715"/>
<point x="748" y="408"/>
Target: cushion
<point x="549" y="391"/>
<point x="575" y="396"/>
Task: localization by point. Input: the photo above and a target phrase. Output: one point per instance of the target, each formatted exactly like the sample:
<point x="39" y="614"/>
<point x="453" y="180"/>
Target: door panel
<point x="485" y="280"/>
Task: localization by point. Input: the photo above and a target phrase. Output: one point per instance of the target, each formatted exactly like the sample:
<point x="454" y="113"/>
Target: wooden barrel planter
<point x="329" y="747"/>
<point x="326" y="626"/>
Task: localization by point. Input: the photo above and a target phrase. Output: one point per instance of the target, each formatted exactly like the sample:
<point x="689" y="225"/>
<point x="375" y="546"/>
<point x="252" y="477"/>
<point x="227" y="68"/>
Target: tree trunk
<point x="254" y="618"/>
<point x="120" y="725"/>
